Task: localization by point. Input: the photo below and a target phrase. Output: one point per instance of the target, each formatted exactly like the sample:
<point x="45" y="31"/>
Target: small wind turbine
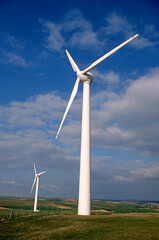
<point x="86" y="78"/>
<point x="36" y="179"/>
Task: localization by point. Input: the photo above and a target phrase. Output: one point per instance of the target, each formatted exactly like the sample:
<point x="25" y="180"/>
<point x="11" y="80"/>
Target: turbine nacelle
<point x="87" y="77"/>
<point x="37" y="175"/>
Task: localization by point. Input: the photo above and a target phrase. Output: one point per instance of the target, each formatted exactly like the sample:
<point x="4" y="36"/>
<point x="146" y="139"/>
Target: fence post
<point x="10" y="215"/>
<point x="22" y="212"/>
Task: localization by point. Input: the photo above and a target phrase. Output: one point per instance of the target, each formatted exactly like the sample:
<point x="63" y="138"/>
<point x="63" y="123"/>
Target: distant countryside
<point x="57" y="219"/>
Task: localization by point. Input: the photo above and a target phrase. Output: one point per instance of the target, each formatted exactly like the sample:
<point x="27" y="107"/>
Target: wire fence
<point x="8" y="214"/>
<point x="13" y="213"/>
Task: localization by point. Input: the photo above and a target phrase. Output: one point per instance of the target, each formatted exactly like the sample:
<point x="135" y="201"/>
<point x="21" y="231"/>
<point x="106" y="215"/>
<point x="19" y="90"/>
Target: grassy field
<point x="12" y="207"/>
<point x="58" y="219"/>
<point x="54" y="204"/>
<point x="134" y="226"/>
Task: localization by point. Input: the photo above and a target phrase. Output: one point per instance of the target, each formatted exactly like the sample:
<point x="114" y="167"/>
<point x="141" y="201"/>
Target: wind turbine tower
<point x="86" y="78"/>
<point x="36" y="179"/>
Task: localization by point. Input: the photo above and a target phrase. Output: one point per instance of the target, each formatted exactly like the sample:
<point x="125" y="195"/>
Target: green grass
<point x="124" y="207"/>
<point x="134" y="226"/>
<point x="124" y="220"/>
<point x="21" y="206"/>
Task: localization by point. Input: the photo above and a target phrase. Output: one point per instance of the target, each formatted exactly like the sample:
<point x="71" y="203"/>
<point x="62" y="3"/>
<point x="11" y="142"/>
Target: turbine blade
<point x="73" y="94"/>
<point x="41" y="173"/>
<point x="74" y="66"/>
<point x="35" y="169"/>
<point x="33" y="184"/>
<point x="108" y="54"/>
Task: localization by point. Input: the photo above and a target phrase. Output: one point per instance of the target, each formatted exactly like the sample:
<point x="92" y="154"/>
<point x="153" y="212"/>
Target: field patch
<point x="60" y="206"/>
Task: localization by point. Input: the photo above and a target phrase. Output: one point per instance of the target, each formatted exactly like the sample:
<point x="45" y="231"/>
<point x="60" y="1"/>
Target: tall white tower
<point x="84" y="201"/>
<point x="36" y="179"/>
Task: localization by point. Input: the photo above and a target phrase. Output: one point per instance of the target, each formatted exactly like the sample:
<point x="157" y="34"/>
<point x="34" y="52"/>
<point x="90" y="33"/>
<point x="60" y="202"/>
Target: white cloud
<point x="148" y="173"/>
<point x="101" y="159"/>
<point x="117" y="24"/>
<point x="126" y="121"/>
<point x="82" y="31"/>
<point x="10" y="182"/>
<point x="33" y="113"/>
<point x="54" y="39"/>
<point x="12" y="41"/>
<point x="14" y="58"/>
<point x="27" y="132"/>
<point x="53" y="186"/>
<point x="120" y="24"/>
<point x="130" y="120"/>
<point x="151" y="31"/>
<point x="110" y="78"/>
<point x="119" y="178"/>
<point x="11" y="51"/>
<point x="134" y="171"/>
<point x="75" y="30"/>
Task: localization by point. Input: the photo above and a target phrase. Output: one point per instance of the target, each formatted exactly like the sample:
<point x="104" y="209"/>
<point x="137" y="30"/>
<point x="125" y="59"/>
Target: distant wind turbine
<point x="36" y="179"/>
<point x="86" y="78"/>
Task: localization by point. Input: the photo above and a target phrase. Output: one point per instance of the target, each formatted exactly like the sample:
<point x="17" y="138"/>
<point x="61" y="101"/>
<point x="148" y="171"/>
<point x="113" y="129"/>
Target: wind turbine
<point x="36" y="179"/>
<point x="86" y="78"/>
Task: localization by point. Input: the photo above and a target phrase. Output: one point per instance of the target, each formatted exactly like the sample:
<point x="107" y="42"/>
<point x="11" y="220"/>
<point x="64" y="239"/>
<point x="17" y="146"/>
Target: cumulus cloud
<point x="136" y="173"/>
<point x="54" y="39"/>
<point x="82" y="31"/>
<point x="147" y="173"/>
<point x="117" y="24"/>
<point x="74" y="30"/>
<point x="130" y="119"/>
<point x="28" y="131"/>
<point x="109" y="79"/>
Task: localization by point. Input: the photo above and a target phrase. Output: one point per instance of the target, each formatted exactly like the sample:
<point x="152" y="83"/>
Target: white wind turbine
<point x="86" y="78"/>
<point x="36" y="179"/>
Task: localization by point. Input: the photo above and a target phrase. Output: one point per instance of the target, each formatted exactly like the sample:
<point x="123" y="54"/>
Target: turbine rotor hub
<point x="87" y="77"/>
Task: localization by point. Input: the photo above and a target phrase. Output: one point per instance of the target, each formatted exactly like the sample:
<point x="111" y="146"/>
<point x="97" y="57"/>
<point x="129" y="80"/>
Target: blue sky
<point x="36" y="81"/>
